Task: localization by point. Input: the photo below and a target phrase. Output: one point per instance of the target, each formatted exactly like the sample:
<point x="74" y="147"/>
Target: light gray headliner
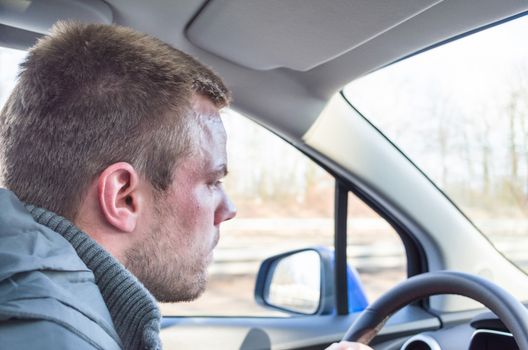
<point x="38" y="16"/>
<point x="288" y="101"/>
<point x="289" y="34"/>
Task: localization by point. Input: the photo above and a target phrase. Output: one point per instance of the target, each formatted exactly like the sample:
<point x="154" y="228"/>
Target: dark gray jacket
<point x="60" y="290"/>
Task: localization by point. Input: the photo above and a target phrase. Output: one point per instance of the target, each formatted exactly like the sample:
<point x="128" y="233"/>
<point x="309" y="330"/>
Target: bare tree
<point x="444" y="131"/>
<point x="511" y="112"/>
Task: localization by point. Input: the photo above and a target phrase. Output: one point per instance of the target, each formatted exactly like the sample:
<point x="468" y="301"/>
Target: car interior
<point x="287" y="63"/>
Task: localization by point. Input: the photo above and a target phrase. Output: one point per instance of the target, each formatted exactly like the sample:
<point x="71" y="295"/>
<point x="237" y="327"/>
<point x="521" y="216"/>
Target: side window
<point x="374" y="249"/>
<point x="9" y="61"/>
<point x="285" y="202"/>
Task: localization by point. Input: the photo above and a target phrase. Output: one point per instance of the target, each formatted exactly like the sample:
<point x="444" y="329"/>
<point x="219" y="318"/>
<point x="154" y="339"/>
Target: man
<point x="114" y="151"/>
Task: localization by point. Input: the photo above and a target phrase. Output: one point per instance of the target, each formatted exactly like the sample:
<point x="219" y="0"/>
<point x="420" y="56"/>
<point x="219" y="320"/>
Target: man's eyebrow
<point x="221" y="171"/>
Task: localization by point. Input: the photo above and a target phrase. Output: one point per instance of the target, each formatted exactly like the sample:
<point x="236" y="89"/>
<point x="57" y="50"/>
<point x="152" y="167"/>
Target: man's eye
<point x="216" y="184"/>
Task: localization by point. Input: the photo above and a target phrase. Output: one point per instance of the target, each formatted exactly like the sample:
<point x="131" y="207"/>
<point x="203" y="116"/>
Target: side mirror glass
<point x="302" y="282"/>
<point x="294" y="282"/>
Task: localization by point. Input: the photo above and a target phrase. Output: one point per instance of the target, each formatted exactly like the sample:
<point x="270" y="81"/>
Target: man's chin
<point x="181" y="294"/>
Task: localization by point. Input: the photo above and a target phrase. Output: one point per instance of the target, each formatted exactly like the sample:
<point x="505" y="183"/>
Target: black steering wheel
<point x="511" y="312"/>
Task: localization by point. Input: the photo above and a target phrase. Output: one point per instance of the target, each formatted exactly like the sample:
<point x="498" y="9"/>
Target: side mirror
<point x="302" y="282"/>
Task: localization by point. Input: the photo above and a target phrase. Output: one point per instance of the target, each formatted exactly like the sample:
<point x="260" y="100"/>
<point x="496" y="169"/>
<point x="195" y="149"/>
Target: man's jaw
<point x="210" y="256"/>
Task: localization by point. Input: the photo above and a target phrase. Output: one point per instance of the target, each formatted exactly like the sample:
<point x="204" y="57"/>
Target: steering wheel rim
<point x="512" y="313"/>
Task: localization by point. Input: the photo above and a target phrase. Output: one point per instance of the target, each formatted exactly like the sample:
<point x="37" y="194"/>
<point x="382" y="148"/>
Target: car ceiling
<point x="283" y="59"/>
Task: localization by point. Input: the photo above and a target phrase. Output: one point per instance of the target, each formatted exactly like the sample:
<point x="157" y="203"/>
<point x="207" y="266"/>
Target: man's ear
<point x="119" y="196"/>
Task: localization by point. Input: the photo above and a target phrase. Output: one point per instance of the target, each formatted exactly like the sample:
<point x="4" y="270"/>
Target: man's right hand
<point x="345" y="345"/>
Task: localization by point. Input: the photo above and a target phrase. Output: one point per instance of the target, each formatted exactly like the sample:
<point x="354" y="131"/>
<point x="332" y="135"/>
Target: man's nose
<point x="227" y="211"/>
<point x="231" y="209"/>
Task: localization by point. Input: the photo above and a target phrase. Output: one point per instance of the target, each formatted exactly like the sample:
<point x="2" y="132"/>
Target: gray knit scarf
<point x="133" y="309"/>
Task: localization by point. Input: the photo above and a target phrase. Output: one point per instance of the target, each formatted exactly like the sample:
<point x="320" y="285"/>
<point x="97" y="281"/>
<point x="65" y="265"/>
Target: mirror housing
<point x="301" y="282"/>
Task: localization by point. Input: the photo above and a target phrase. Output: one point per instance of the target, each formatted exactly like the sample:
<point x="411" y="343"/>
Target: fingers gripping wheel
<point x="504" y="305"/>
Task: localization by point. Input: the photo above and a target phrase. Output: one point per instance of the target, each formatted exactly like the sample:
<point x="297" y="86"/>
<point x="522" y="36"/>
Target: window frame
<point x="346" y="182"/>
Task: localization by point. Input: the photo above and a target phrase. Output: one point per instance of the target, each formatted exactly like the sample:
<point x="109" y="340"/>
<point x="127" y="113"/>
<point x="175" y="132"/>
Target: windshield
<point x="460" y="112"/>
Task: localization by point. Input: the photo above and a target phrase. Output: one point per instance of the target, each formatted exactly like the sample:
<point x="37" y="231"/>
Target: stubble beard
<point x="165" y="266"/>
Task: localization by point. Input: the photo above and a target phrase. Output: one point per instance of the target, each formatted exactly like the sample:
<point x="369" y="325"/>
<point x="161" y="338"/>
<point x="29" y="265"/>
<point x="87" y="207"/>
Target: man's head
<point x="117" y="131"/>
